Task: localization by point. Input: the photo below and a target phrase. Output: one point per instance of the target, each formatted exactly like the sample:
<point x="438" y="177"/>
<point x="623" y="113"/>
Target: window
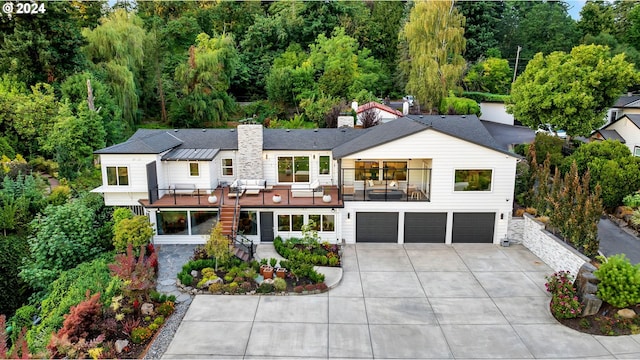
<point x="247" y="225"/>
<point x="636" y="151"/>
<point x="367" y="170"/>
<point x="322" y="222"/>
<point x="614" y="115"/>
<point x="117" y="175"/>
<point x="325" y="165"/>
<point x="293" y="169"/>
<point x="203" y="221"/>
<point x="172" y="223"/>
<point x="194" y="169"/>
<point x="284" y="223"/>
<point x="395" y="170"/>
<point x="473" y="180"/>
<point x="227" y="167"/>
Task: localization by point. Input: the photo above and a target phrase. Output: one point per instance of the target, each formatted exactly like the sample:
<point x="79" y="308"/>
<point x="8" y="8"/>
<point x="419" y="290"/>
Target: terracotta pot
<point x="267" y="273"/>
<point x="262" y="267"/>
<point x="281" y="272"/>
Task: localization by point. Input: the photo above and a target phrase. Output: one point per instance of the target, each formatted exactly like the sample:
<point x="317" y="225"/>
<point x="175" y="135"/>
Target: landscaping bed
<point x="606" y="322"/>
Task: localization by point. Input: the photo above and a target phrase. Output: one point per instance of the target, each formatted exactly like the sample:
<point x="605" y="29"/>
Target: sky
<point x="574" y="8"/>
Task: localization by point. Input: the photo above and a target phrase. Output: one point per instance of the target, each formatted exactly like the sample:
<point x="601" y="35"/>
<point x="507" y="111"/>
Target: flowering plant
<point x="564" y="301"/>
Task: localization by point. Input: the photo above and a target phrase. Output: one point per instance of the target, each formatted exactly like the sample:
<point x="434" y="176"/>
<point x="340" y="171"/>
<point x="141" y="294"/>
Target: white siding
<point x="495" y="112"/>
<point x="178" y="172"/>
<point x="137" y="171"/>
<point x="448" y="154"/>
<point x="270" y="166"/>
<point x="629" y="131"/>
<point x="124" y="198"/>
<point x="218" y="166"/>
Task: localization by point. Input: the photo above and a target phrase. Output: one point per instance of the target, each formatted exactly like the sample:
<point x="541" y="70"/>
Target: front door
<point x="266" y="226"/>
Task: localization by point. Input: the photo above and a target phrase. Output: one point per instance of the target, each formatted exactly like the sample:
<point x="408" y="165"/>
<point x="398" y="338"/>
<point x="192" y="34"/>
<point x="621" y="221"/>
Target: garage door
<point x="425" y="227"/>
<point x="377" y="227"/>
<point x="473" y="227"/>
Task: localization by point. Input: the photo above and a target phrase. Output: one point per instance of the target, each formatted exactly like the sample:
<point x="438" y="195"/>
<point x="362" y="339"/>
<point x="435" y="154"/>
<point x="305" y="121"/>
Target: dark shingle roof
<point x="343" y="141"/>
<point x="466" y="127"/>
<point x="623" y="101"/>
<point x="153" y="142"/>
<point x="635" y="119"/>
<point x="191" y="154"/>
<point x="611" y="135"/>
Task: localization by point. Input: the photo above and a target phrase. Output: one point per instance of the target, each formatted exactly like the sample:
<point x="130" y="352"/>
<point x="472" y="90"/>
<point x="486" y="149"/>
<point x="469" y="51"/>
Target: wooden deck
<point x="263" y="199"/>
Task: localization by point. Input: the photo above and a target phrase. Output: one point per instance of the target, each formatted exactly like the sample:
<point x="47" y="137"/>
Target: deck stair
<point x="238" y="244"/>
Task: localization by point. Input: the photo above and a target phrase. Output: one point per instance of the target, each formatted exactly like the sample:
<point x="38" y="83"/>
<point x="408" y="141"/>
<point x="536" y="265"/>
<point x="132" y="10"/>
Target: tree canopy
<point x="542" y="94"/>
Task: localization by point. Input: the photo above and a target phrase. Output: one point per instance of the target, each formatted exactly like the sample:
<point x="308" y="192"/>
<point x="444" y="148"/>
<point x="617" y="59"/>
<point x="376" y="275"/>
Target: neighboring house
<point x="625" y="129"/>
<point x="495" y="112"/>
<point x="383" y="112"/>
<point x="439" y="179"/>
<point x="628" y="104"/>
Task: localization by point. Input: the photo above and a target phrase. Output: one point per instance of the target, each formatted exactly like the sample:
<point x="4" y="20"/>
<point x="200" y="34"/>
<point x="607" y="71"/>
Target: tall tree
<point x="202" y="98"/>
<point x="542" y="94"/>
<point x="596" y="16"/>
<point x="42" y="47"/>
<point x="435" y="37"/>
<point x="116" y="47"/>
<point x="482" y="26"/>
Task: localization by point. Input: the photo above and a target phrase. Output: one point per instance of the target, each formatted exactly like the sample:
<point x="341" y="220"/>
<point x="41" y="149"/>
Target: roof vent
<point x="420" y="116"/>
<point x="315" y="130"/>
<point x="442" y="116"/>
<point x="203" y="130"/>
<point x="232" y="130"/>
<point x="464" y="116"/>
<point x="287" y="130"/>
<point x="175" y="130"/>
<point x="343" y="130"/>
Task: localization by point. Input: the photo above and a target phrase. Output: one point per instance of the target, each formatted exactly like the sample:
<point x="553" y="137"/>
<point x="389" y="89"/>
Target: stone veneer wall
<point x="515" y="229"/>
<point x="553" y="251"/>
<point x="249" y="155"/>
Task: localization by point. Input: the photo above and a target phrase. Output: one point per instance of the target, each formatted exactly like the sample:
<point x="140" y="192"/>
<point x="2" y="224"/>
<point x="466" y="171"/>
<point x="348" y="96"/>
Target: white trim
<point x="106" y="176"/>
<point x="223" y="167"/>
<point x="197" y="168"/>
<point x="636" y="150"/>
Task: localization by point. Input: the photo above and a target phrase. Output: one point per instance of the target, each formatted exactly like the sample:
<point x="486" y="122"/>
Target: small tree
<point x="136" y="231"/>
<point x="369" y="118"/>
<point x="218" y="245"/>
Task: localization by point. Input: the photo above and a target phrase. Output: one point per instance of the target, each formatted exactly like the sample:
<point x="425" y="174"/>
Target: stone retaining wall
<point x="553" y="251"/>
<point x="514" y="232"/>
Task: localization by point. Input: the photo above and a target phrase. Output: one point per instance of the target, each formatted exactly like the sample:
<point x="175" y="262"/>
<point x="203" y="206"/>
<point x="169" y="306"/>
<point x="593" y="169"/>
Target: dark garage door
<point x="377" y="227"/>
<point x="473" y="227"/>
<point x="425" y="227"/>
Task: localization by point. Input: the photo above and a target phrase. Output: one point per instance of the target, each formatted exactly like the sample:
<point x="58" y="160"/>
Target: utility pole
<point x="515" y="69"/>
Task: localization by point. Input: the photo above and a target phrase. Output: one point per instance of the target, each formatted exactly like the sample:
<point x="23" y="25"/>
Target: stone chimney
<point x="249" y="155"/>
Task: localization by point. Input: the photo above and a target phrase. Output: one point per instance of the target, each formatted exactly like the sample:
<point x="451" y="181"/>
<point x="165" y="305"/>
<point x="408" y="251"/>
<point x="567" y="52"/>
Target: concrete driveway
<point x="419" y="301"/>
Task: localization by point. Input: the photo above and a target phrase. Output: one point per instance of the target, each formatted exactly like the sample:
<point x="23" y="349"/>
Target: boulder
<point x="121" y="344"/>
<point x="212" y="281"/>
<point x="627" y="313"/>
<point x="147" y="309"/>
<point x="194" y="273"/>
<point x="591" y="304"/>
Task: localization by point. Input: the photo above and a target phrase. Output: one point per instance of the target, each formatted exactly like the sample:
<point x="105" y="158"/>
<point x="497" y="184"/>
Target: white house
<point x="382" y="112"/>
<point x="625" y="129"/>
<point x="440" y="179"/>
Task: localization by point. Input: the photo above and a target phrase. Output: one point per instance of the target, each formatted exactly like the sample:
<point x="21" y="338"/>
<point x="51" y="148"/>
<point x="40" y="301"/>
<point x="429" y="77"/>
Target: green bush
<point x="632" y="200"/>
<point x="619" y="281"/>
<point x="486" y="97"/>
<point x="13" y="249"/>
<point x="136" y="231"/>
<point x="69" y="290"/>
<point x="23" y="318"/>
<point x="279" y="284"/>
<point x="459" y="106"/>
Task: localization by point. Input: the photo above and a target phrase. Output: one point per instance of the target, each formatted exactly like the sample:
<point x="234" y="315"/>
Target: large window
<point x="367" y="170"/>
<point x="325" y="165"/>
<point x="473" y="180"/>
<point x="227" y="167"/>
<point x="247" y="225"/>
<point x="290" y="222"/>
<point x="194" y="169"/>
<point x="203" y="221"/>
<point x="293" y="169"/>
<point x="172" y="223"/>
<point x="395" y="170"/>
<point x="117" y="175"/>
<point x="323" y="222"/>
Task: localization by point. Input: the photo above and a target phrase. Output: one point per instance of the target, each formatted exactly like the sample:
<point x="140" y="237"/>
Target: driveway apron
<point x="412" y="301"/>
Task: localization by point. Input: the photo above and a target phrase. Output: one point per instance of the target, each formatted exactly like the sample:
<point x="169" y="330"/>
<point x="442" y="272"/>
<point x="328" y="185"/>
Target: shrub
<point x="298" y="289"/>
<point x="69" y="290"/>
<point x="632" y="200"/>
<point x="65" y="237"/>
<point x="13" y="249"/>
<point x="619" y="281"/>
<point x="310" y="287"/>
<point x="138" y="275"/>
<point x="140" y="335"/>
<point x="166" y="308"/>
<point x="136" y="231"/>
<point x="459" y="106"/>
<point x="159" y="320"/>
<point x="564" y="301"/>
<point x="217" y="245"/>
<point x="280" y="284"/>
<point x="265" y="288"/>
<point x="216" y="288"/>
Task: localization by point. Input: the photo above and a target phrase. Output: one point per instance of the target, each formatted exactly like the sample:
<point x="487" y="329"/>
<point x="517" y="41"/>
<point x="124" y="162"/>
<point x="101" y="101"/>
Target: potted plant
<point x="267" y="272"/>
<point x="281" y="272"/>
<point x="276" y="198"/>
